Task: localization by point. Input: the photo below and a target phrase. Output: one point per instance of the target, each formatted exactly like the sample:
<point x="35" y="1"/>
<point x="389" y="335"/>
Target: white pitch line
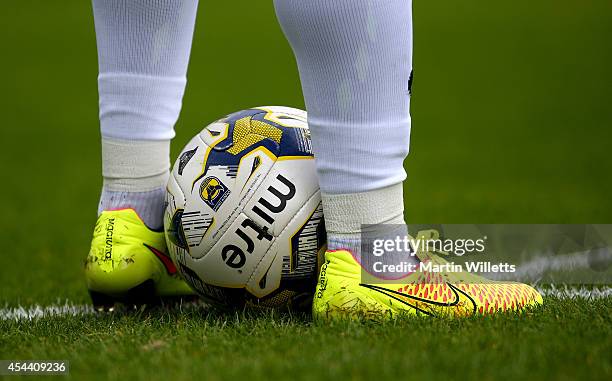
<point x="68" y="309"/>
<point x="37" y="311"/>
<point x="534" y="269"/>
<point x="566" y="292"/>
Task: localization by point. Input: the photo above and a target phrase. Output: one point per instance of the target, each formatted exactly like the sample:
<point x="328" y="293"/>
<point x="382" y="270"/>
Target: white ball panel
<point x="295" y="178"/>
<point x="286" y="116"/>
<point x="231" y="261"/>
<point x="188" y="165"/>
<point x="280" y="252"/>
<point x="214" y="132"/>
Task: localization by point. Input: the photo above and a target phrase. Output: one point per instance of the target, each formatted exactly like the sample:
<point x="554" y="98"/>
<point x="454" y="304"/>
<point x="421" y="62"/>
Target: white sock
<point x="135" y="176"/>
<point x="355" y="63"/>
<point x="146" y="204"/>
<point x="347" y="214"/>
<point x="143" y="52"/>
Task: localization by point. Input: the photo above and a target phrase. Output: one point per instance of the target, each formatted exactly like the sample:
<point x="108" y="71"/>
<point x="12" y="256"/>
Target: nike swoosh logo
<point x="164" y="258"/>
<point x="401" y="297"/>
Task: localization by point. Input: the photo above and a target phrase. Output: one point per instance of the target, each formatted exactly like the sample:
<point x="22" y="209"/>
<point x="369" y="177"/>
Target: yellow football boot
<point x="341" y="294"/>
<point x="127" y="263"/>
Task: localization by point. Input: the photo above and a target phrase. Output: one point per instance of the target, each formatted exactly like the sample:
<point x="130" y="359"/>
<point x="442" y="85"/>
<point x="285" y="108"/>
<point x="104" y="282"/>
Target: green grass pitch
<point x="564" y="340"/>
<point x="511" y="124"/>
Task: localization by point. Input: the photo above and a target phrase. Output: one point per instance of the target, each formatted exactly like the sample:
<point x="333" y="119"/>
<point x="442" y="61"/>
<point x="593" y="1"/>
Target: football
<point x="243" y="219"/>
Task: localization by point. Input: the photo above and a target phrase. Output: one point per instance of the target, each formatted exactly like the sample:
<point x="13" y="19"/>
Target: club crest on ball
<point x="213" y="192"/>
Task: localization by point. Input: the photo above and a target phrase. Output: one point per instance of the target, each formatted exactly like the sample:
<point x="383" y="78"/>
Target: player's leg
<point x="355" y="63"/>
<point x="143" y="52"/>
